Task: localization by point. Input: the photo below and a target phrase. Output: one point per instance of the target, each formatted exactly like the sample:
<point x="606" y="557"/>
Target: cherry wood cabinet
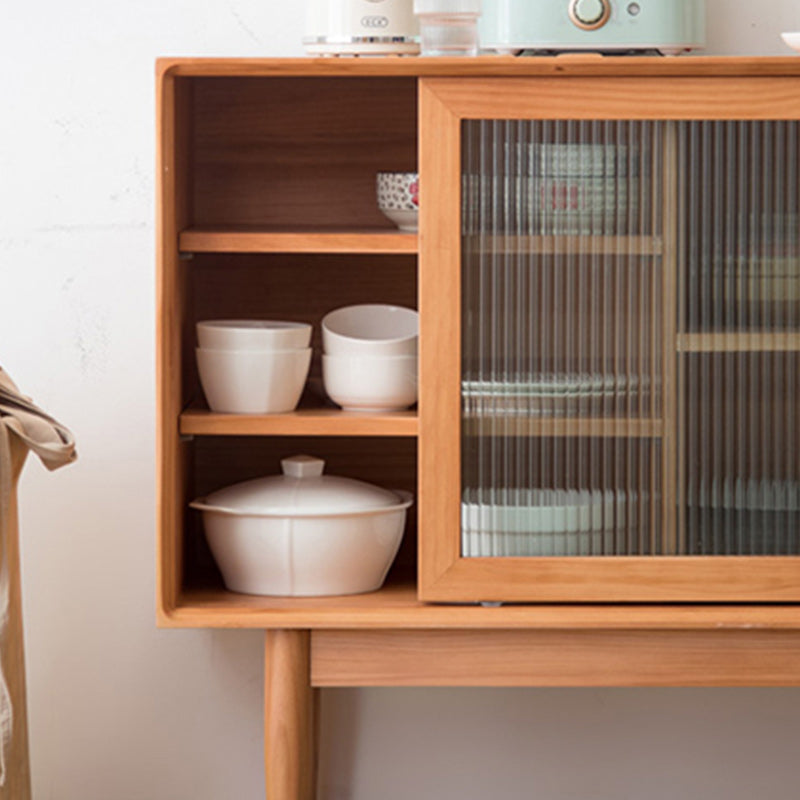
<point x="606" y="442"/>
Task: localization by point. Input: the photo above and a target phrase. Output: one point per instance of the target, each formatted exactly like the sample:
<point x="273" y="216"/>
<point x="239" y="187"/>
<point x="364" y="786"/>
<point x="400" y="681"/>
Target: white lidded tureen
<point x="302" y="533"/>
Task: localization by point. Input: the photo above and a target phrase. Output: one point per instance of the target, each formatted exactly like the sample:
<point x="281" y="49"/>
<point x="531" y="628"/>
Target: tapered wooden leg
<point x="289" y="729"/>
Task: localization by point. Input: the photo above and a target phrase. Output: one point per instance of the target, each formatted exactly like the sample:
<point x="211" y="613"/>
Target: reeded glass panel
<point x="562" y="329"/>
<point x="739" y="245"/>
<point x="629" y="338"/>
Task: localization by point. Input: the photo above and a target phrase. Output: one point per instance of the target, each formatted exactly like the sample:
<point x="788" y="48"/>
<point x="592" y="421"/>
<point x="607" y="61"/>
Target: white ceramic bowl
<point x="303" y="534"/>
<point x="367" y="383"/>
<point x="253" y="381"/>
<point x="398" y="198"/>
<point x="792" y="38"/>
<point x="406" y="220"/>
<point x="371" y="329"/>
<point x="253" y="334"/>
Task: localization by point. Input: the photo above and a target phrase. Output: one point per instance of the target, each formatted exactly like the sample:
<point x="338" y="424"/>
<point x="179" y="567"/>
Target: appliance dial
<point x="589" y="14"/>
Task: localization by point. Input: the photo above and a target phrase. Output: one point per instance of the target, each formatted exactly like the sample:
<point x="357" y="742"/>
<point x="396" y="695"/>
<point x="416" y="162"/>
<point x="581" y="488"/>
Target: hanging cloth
<point x="23" y="427"/>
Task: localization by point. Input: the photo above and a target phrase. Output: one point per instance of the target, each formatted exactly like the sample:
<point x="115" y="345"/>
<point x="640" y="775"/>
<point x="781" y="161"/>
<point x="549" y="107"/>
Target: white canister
<point x="361" y="27"/>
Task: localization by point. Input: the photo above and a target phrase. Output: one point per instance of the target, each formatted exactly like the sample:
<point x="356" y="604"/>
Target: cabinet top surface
<point x="483" y="66"/>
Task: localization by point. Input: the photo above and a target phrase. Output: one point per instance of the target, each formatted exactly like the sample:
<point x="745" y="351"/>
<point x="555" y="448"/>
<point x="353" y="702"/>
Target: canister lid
<point x="302" y="490"/>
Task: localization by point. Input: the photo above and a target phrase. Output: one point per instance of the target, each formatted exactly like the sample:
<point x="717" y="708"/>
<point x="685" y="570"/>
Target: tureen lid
<point x="302" y="490"/>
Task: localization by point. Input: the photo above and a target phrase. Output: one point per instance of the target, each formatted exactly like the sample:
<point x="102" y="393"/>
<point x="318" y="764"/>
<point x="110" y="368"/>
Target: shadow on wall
<point x="559" y="744"/>
<point x="338" y="718"/>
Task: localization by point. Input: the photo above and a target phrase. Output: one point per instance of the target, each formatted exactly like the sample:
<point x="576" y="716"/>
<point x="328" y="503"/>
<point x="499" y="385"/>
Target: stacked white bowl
<point x="251" y="366"/>
<point x="369" y="360"/>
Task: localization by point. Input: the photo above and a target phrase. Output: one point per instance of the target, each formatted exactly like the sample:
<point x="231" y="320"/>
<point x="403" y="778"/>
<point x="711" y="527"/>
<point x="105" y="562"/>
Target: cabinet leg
<point x="289" y="727"/>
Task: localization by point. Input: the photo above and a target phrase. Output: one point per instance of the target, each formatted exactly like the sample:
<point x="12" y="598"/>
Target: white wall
<point x="122" y="711"/>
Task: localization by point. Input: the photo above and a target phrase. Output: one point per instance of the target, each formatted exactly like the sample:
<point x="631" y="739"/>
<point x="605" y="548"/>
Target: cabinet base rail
<point x="298" y="662"/>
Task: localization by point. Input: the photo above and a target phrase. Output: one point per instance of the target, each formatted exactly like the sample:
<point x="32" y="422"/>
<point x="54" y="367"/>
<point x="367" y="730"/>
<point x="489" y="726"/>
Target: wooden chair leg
<point x="289" y="728"/>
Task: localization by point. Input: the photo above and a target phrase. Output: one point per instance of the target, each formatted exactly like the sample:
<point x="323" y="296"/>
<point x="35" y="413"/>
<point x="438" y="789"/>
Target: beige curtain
<point x="23" y="427"/>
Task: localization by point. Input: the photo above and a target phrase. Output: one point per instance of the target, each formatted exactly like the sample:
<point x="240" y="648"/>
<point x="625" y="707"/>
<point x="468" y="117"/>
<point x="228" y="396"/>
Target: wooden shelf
<point x="396" y="606"/>
<point x="306" y="422"/>
<point x="549" y="426"/>
<point x="738" y="342"/>
<point x="300" y="240"/>
<point x="555" y="245"/>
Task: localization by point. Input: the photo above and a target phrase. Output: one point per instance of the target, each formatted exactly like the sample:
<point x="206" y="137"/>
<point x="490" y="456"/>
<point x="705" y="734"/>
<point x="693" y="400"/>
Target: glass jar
<point x="448" y="27"/>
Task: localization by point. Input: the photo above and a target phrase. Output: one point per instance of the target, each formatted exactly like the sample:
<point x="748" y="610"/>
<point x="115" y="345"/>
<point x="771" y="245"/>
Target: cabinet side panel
<point x="173" y="213"/>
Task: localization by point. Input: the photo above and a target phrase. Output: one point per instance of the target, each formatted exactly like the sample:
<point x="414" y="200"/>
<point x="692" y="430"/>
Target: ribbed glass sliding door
<point x="562" y="338"/>
<point x="739" y="247"/>
<point x="629" y="317"/>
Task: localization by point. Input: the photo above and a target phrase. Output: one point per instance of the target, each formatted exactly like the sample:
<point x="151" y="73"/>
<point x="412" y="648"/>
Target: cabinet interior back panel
<point x="299" y="152"/>
<point x="614" y="398"/>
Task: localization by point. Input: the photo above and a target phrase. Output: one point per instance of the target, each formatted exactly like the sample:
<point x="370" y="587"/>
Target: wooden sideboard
<point x="266" y="208"/>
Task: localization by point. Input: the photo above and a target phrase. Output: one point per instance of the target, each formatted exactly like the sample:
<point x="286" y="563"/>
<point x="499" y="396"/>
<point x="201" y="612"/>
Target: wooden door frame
<point x="444" y="576"/>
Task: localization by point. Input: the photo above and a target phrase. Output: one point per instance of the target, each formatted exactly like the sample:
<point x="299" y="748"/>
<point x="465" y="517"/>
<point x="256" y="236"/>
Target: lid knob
<point x="302" y="466"/>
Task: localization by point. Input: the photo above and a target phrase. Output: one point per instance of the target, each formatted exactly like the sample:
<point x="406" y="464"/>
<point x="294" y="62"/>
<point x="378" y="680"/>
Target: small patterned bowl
<point x="398" y="198"/>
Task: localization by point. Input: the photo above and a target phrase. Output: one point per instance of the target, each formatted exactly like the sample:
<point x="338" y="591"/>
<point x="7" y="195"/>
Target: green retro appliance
<point x="665" y="26"/>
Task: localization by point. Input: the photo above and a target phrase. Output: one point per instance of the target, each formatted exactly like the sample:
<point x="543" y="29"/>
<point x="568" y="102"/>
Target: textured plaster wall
<point x="122" y="711"/>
